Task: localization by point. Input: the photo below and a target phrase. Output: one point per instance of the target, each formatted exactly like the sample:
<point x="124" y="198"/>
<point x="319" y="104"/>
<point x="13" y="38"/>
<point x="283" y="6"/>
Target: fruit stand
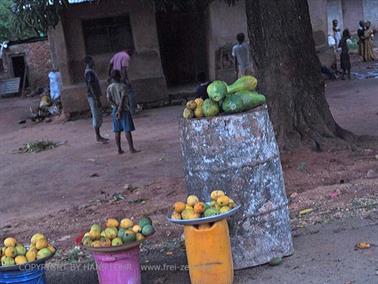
<point x="207" y="240"/>
<point x="116" y="249"/>
<point x="25" y="264"/>
<point x="237" y="150"/>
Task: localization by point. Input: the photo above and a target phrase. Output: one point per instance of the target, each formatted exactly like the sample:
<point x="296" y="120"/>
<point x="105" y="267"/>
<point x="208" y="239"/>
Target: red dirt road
<point x="53" y="191"/>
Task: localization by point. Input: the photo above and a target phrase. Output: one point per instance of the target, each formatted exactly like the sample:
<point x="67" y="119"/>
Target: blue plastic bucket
<point x="27" y="276"/>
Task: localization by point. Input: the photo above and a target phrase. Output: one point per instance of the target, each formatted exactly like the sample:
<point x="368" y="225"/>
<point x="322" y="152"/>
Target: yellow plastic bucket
<point x="209" y="254"/>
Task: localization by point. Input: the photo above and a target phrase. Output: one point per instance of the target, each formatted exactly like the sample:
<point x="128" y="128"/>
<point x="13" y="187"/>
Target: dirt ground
<point x="64" y="190"/>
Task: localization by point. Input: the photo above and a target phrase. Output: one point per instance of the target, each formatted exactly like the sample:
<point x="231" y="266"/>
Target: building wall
<point x="335" y="11"/>
<point x="224" y="24"/>
<point x="37" y="58"/>
<point x="145" y="70"/>
<point x="352" y="14"/>
<point x="370" y="11"/>
<point x="319" y="21"/>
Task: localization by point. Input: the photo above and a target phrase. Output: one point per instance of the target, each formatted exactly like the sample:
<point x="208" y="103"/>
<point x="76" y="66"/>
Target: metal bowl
<point x="116" y="248"/>
<point x="203" y="220"/>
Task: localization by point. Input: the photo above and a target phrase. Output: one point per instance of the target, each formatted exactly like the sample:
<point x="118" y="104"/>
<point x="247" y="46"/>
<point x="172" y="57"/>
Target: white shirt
<point x="241" y="52"/>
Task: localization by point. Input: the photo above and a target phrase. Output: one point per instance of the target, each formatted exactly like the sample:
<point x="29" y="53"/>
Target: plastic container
<point x="122" y="267"/>
<point x="209" y="254"/>
<point x="27" y="276"/>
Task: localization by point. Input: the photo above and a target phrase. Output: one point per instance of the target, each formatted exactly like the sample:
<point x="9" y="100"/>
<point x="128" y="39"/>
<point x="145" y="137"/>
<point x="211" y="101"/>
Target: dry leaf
<point x="306" y="211"/>
<point x="363" y="245"/>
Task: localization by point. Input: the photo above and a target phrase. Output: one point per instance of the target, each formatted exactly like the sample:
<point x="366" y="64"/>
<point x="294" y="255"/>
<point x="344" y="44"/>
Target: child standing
<point x="344" y="56"/>
<point x="121" y="117"/>
<point x="94" y="96"/>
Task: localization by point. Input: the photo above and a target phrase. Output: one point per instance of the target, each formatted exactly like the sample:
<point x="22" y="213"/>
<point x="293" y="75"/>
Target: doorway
<point x="19" y="69"/>
<point x="183" y="46"/>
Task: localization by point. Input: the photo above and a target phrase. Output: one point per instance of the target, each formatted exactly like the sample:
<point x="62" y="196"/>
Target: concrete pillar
<point x="370" y="12"/>
<point x="319" y="21"/>
<point x="352" y="14"/>
<point x="224" y="23"/>
<point x="334" y="11"/>
<point x="58" y="49"/>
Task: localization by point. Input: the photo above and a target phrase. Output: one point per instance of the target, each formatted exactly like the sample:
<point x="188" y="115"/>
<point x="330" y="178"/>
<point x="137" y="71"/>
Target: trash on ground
<point x="118" y="196"/>
<point x="363" y="245"/>
<point x="39" y="146"/>
<point x="305" y="211"/>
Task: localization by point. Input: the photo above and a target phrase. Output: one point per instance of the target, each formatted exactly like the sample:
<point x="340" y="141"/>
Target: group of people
<point x="365" y="45"/>
<point x="120" y="95"/>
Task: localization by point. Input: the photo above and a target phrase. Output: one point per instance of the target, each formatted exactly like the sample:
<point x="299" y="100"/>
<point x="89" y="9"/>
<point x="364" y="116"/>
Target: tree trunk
<point x="288" y="71"/>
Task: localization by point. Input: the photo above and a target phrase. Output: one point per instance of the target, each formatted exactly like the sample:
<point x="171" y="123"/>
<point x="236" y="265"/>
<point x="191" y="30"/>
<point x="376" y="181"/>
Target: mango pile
<point x="237" y="97"/>
<point x="117" y="233"/>
<point x="194" y="208"/>
<point x="15" y="253"/>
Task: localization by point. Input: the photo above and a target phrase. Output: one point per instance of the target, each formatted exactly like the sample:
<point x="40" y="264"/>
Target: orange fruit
<point x="199" y="207"/>
<point x="179" y="206"/>
<point x="192" y="200"/>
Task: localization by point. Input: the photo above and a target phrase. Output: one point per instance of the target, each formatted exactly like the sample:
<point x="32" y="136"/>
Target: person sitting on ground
<point x="201" y="91"/>
<point x="94" y="96"/>
<point x="360" y="33"/>
<point x="328" y="72"/>
<point x="240" y="52"/>
<point x="121" y="117"/>
<point x="344" y="55"/>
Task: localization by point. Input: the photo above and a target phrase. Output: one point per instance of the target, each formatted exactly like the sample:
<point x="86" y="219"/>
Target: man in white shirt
<point x="240" y="52"/>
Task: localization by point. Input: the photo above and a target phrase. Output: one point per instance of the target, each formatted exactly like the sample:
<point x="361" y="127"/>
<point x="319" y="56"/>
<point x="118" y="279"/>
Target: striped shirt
<point x="115" y="92"/>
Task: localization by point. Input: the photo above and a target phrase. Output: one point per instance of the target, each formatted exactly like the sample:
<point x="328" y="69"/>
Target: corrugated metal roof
<point x="9" y="86"/>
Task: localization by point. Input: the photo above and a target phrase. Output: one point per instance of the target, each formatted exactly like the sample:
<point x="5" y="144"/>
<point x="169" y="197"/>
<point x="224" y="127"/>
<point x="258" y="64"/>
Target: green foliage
<point x="7" y="26"/>
<point x="42" y="14"/>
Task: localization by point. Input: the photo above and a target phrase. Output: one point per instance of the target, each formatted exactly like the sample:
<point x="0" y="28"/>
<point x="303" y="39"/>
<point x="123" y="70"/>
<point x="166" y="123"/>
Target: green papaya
<point x="145" y="221"/>
<point x="148" y="230"/>
<point x="210" y="108"/>
<point x="217" y="90"/>
<point x="250" y="99"/>
<point x="245" y="83"/>
<point x="210" y="212"/>
<point x="233" y="104"/>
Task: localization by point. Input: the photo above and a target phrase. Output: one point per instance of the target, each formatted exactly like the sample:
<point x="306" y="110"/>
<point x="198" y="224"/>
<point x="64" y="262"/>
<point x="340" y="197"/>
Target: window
<point x="107" y="35"/>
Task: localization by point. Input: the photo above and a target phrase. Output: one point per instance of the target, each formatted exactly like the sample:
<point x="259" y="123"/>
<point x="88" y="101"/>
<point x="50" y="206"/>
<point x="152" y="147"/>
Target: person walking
<point x="368" y="52"/>
<point x="240" y="52"/>
<point x="94" y="96"/>
<point x="122" y="120"/>
<point x="344" y="55"/>
<point x="120" y="61"/>
<point x="360" y="34"/>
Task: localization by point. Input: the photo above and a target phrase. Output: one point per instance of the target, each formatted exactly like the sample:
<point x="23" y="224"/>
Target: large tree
<point x="8" y="19"/>
<point x="286" y="63"/>
<point x="289" y="74"/>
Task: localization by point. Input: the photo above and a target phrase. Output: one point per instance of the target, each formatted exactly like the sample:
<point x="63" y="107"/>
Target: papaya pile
<point x="194" y="208"/>
<point x="117" y="233"/>
<point x="237" y="97"/>
<point x="16" y="253"/>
